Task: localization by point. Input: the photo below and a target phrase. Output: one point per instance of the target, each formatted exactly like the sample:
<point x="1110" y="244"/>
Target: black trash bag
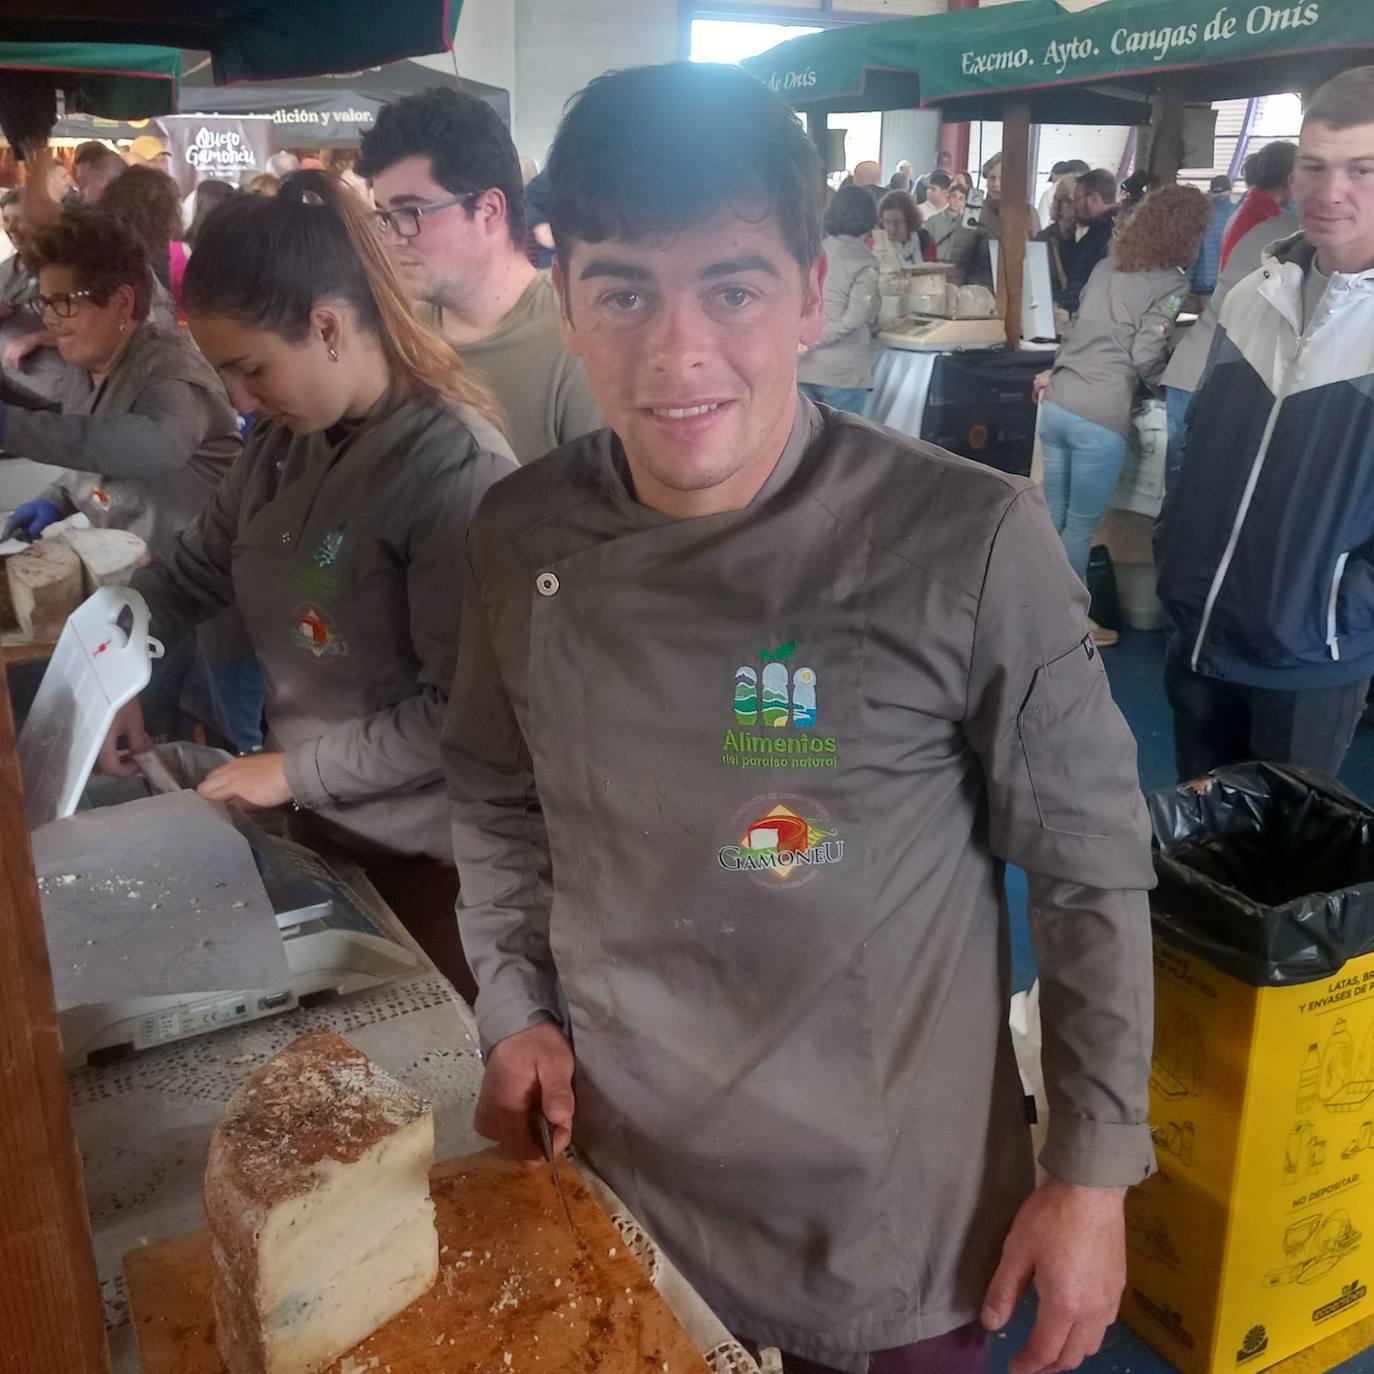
<point x="1266" y="871"/>
<point x="1105" y="601"/>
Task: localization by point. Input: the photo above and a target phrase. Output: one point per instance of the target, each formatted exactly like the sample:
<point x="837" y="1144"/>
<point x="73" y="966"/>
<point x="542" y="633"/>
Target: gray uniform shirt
<point x="343" y="551"/>
<point x="745" y="785"/>
<point x="843" y="355"/>
<point x="1119" y="339"/>
<point x="143" y="452"/>
<point x="541" y="387"/>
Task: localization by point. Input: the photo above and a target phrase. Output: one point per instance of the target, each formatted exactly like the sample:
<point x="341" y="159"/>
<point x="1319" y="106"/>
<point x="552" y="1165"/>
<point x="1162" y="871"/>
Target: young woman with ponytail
<point x="340" y="532"/>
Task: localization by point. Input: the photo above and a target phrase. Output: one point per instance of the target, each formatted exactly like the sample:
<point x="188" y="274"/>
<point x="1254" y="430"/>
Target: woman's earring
<point x="332" y="351"/>
<point x="124" y="326"/>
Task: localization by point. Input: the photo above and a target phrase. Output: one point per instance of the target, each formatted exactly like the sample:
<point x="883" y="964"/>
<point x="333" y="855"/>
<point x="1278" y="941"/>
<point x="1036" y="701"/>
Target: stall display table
<point x="974" y="402"/>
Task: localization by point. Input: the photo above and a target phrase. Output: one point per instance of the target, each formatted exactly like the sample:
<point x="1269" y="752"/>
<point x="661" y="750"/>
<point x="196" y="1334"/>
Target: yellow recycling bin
<point x="1256" y="1237"/>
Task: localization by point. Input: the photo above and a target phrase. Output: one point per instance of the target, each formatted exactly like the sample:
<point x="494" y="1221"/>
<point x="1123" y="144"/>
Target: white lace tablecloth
<point x="144" y="1128"/>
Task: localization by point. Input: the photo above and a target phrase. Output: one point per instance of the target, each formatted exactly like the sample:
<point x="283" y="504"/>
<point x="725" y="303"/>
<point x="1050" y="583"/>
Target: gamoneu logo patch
<point x="776" y="709"/>
<point x="782" y="840"/>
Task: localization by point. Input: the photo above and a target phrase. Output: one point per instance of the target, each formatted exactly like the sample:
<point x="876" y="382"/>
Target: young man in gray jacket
<point x="754" y="700"/>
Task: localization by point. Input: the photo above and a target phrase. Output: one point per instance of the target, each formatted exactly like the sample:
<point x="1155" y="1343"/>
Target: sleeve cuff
<point x="506" y="1014"/>
<point x="1097" y="1154"/>
<point x="302" y="768"/>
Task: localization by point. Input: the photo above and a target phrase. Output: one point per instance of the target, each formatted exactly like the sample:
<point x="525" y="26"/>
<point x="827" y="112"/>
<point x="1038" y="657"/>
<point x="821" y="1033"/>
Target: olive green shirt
<point x="540" y="385"/>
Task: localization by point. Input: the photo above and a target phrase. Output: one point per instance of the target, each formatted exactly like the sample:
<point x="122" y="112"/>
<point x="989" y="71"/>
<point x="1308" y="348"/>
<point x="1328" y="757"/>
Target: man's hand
<point x="533" y="1068"/>
<point x="128" y="726"/>
<point x="1070" y="1241"/>
<point x="255" y="780"/>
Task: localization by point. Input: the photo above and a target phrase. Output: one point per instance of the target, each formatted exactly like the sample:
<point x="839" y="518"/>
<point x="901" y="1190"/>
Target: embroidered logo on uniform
<point x="316" y="636"/>
<point x="774" y="696"/>
<point x="101" y="497"/>
<point x="1171" y="305"/>
<point x="791" y="838"/>
<point x="318" y="576"/>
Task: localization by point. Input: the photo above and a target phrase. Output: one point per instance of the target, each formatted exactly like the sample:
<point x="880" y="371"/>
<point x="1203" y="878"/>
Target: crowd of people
<point x="524" y="576"/>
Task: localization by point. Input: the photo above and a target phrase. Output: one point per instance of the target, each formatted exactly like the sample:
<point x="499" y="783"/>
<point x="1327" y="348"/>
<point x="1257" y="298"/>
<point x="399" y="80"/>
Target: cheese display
<point x="109" y="557"/>
<point x="44" y="587"/>
<point x="320" y="1217"/>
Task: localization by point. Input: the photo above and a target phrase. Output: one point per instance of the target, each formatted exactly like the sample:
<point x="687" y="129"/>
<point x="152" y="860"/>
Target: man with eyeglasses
<point x="446" y="179"/>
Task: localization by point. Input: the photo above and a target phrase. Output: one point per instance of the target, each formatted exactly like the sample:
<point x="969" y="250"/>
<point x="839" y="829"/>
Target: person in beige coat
<point x="339" y="533"/>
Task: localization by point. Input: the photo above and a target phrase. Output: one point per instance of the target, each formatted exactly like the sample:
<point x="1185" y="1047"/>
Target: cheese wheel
<point x="110" y="557"/>
<point x="317" y="1196"/>
<point x="45" y="588"/>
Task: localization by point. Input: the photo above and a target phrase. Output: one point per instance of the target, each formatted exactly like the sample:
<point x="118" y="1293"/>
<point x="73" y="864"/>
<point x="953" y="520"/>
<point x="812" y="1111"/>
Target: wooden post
<point x="1166" y="141"/>
<point x="1016" y="124"/>
<point x="50" y="1310"/>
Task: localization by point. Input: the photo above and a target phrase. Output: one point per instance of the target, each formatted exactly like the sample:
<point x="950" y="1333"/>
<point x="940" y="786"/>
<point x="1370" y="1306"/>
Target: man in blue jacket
<point x="1266" y="543"/>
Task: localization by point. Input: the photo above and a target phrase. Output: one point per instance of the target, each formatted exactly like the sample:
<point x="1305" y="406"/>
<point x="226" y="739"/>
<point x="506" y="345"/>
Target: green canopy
<point x="1099" y="65"/>
<point x="115" y="80"/>
<point x="249" y="39"/>
<point x="1188" y="50"/>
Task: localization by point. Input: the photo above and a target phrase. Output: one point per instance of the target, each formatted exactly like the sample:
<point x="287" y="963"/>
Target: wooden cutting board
<point x="517" y="1294"/>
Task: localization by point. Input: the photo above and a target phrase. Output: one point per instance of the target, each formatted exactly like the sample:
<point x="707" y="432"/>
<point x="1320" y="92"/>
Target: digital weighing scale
<point x="935" y="334"/>
<point x="337" y="935"/>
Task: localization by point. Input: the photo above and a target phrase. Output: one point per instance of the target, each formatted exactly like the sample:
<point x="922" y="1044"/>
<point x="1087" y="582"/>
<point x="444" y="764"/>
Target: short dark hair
<point x="729" y="140"/>
<point x="94" y="153"/>
<point x="1099" y="182"/>
<point x="1075" y="166"/>
<point x="906" y="203"/>
<point x="1271" y="167"/>
<point x="853" y="211"/>
<point x="1220" y="186"/>
<point x="468" y="146"/>
<point x="944" y="155"/>
<point x="941" y="180"/>
<point x="1344" y="101"/>
<point x="101" y="253"/>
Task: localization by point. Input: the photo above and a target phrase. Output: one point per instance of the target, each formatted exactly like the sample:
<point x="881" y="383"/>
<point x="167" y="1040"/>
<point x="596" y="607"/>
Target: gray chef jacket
<point x="343" y="550"/>
<point x="143" y="452"/>
<point x="745" y="784"/>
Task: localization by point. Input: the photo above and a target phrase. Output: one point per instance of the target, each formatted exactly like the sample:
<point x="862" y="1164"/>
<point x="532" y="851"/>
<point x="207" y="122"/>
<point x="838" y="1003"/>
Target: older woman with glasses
<point x="145" y="435"/>
<point x="146" y="430"/>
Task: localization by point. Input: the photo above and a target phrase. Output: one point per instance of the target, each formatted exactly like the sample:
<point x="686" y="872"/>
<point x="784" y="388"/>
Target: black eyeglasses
<point x="405" y="222"/>
<point x="61" y="304"/>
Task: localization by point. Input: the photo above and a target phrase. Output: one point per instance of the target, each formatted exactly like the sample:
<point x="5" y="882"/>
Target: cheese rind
<point x="44" y="587"/>
<point x="110" y="557"/>
<point x="317" y="1195"/>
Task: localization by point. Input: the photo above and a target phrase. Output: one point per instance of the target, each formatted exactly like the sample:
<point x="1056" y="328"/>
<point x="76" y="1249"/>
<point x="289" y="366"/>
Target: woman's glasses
<point x="61" y="303"/>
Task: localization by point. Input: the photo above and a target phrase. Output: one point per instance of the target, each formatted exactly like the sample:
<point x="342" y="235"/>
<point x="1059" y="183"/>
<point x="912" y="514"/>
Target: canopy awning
<point x="329" y="110"/>
<point x="248" y="39"/>
<point x="1097" y="65"/>
<point x="114" y="80"/>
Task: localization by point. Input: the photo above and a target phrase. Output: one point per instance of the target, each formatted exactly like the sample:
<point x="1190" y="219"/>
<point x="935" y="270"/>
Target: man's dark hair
<point x="944" y="155"/>
<point x="732" y="144"/>
<point x="96" y="154"/>
<point x="1220" y="186"/>
<point x="1270" y="168"/>
<point x="1345" y="101"/>
<point x="1098" y="182"/>
<point x="853" y="211"/>
<point x="468" y="147"/>
<point x="941" y="180"/>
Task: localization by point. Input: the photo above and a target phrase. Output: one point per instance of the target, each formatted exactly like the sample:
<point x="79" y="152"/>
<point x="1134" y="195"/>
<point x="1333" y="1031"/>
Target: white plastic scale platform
<point x="935" y="334"/>
<point x="168" y="916"/>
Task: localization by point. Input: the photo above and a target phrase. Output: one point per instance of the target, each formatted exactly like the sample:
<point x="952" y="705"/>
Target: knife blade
<point x="546" y="1140"/>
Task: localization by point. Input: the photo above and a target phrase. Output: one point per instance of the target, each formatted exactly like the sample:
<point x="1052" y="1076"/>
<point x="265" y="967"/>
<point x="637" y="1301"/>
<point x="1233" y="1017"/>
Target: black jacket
<point x="1091" y="249"/>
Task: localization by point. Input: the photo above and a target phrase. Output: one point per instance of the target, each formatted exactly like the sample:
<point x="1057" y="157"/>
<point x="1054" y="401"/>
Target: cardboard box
<point x="1256" y="1237"/>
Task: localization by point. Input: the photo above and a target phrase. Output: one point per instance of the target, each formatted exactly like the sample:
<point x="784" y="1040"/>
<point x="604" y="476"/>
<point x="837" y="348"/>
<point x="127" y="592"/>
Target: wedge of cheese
<point x="45" y="587"/>
<point x="109" y="557"/>
<point x="317" y="1196"/>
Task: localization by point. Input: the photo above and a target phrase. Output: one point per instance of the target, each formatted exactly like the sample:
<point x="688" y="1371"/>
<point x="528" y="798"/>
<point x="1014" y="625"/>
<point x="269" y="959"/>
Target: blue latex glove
<point x="31" y="519"/>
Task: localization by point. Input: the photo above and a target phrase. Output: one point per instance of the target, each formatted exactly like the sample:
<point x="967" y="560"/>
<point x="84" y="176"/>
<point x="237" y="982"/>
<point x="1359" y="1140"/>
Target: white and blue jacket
<point x="1265" y="546"/>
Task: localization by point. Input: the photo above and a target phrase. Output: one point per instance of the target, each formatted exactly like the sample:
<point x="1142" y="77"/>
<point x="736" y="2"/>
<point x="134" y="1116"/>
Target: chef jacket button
<point x="546" y="583"/>
<point x="286" y="539"/>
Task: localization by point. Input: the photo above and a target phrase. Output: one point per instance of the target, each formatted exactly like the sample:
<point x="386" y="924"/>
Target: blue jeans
<point x="1177" y="402"/>
<point x="1082" y="464"/>
<point x="851" y="398"/>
